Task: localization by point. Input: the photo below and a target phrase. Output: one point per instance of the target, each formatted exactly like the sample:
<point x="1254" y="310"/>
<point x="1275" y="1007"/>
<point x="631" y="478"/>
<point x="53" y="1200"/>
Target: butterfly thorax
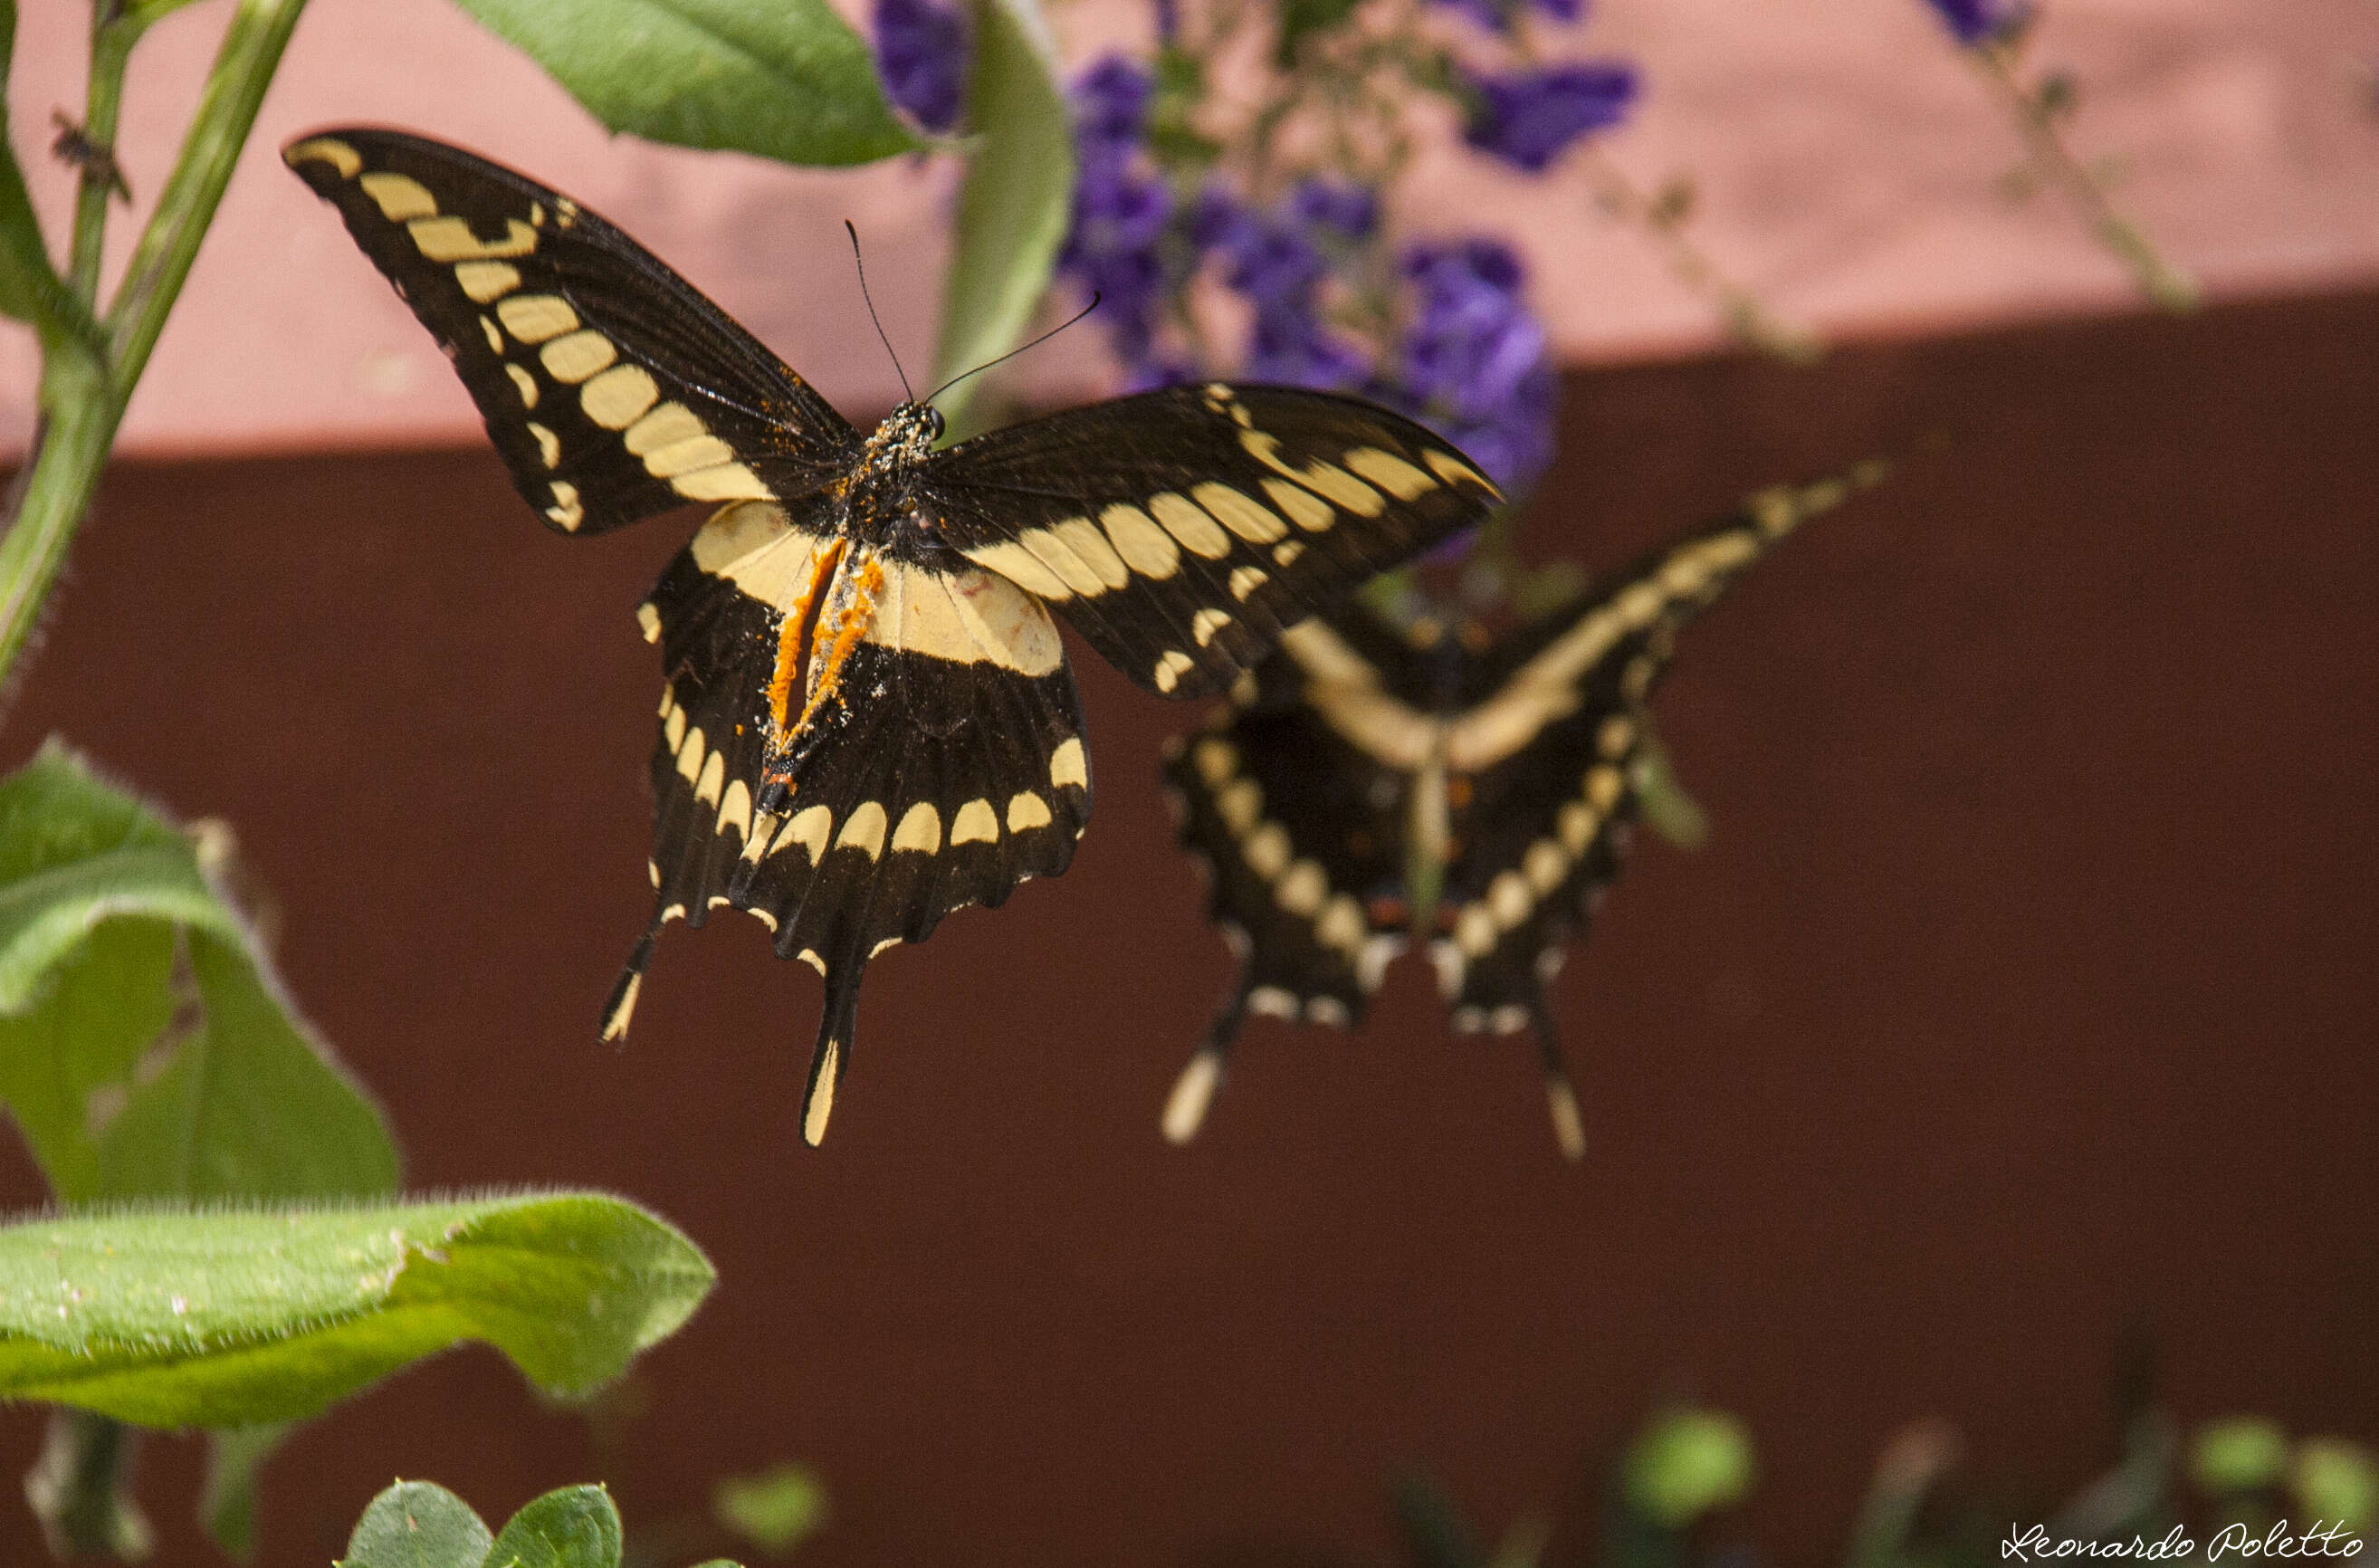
<point x="876" y="495"/>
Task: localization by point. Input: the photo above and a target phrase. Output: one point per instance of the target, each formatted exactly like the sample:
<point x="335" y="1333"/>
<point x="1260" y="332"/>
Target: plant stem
<point x="112" y="38"/>
<point x="83" y="394"/>
<point x="2166" y="285"/>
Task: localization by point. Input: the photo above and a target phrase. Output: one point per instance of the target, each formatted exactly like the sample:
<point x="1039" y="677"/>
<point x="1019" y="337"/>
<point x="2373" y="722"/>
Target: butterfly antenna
<point x="906" y="390"/>
<point x="1012" y="353"/>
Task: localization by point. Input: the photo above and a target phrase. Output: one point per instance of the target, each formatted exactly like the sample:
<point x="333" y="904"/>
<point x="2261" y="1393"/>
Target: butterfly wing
<point x="610" y="386"/>
<point x="953" y="771"/>
<point x="1180" y="531"/>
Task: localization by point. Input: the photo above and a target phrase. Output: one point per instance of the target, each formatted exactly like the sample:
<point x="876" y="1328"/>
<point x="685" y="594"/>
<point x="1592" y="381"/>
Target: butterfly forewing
<point x="611" y="388"/>
<point x="1180" y="531"/>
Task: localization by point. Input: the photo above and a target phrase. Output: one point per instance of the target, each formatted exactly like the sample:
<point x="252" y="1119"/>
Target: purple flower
<point x="1111" y="102"/>
<point x="1352" y="210"/>
<point x="1274" y="263"/>
<point x="921" y="52"/>
<point x="1496" y="14"/>
<point x="1120" y="211"/>
<point x="1217" y="222"/>
<point x="1290" y="346"/>
<point x="1981" y="21"/>
<point x="1528" y="117"/>
<point x="1474" y="364"/>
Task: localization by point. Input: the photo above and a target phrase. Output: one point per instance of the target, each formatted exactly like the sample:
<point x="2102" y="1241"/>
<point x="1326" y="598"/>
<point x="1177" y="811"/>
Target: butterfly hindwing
<point x="1181" y="530"/>
<point x="610" y="386"/>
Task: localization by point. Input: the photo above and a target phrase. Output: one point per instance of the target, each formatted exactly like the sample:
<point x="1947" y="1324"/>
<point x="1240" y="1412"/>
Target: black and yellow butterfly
<point x="867" y="720"/>
<point x="1375" y="782"/>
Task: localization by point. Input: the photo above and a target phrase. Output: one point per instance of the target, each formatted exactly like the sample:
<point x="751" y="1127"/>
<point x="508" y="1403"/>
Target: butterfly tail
<point x="1193" y="1091"/>
<point x="622" y="1004"/>
<point x="831" y="1057"/>
<point x="1561" y="1100"/>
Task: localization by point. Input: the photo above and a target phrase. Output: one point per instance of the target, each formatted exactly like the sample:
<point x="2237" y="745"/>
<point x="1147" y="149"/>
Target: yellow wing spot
<point x="495" y="338"/>
<point x="821" y="1106"/>
<point x="548" y="445"/>
<point x="975" y="824"/>
<point x="810" y="957"/>
<point x="714" y="779"/>
<point x="864" y="830"/>
<point x="1027" y="810"/>
<point x="1246" y="579"/>
<point x="566" y="509"/>
<point x="399" y="197"/>
<point x="1390" y="473"/>
<point x="1020" y="567"/>
<point x="665" y="426"/>
<point x="1145" y="548"/>
<point x="1773" y="510"/>
<point x="1575" y="825"/>
<point x="1636" y="679"/>
<point x="1171" y="667"/>
<point x="1187" y="522"/>
<point x="1329" y="1010"/>
<point x="524" y="384"/>
<point x="1304" y="509"/>
<point x="534" y="317"/>
<point x="1686" y="576"/>
<point x="451" y="239"/>
<point x="1239" y="804"/>
<point x="884" y="947"/>
<point x="686" y="456"/>
<point x="1091" y="548"/>
<point x="920" y="829"/>
<point x="1206" y="625"/>
<point x="653" y="870"/>
<point x="1272" y="1001"/>
<point x="1266" y="849"/>
<point x="577" y="357"/>
<point x="1508" y="898"/>
<point x="1453" y="470"/>
<point x="1067" y="765"/>
<point x="1637" y="606"/>
<point x="1602" y="788"/>
<point x="1248" y="518"/>
<point x="1302" y="888"/>
<point x="1324" y="480"/>
<point x="728" y="481"/>
<point x="1215" y="760"/>
<point x="689" y="754"/>
<point x="1474" y="931"/>
<point x="674" y="728"/>
<point x="1618" y="733"/>
<point x="616" y="1026"/>
<point x="1544" y="865"/>
<point x="735" y="809"/>
<point x="807" y="828"/>
<point x="325" y="150"/>
<point x="1185" y="1109"/>
<point x="1285" y="556"/>
<point x="763" y="916"/>
<point x="565" y="212"/>
<point x="649" y="620"/>
<point x="484" y="281"/>
<point x="618" y="397"/>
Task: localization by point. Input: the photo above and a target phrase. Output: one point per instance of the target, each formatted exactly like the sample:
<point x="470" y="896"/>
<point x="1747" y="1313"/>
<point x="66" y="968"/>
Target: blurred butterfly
<point x="1371" y="783"/>
<point x="867" y="720"/>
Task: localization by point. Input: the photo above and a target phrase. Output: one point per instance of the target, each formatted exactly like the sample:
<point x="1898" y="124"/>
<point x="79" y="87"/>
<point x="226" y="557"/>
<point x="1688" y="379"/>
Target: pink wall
<point x="1846" y="158"/>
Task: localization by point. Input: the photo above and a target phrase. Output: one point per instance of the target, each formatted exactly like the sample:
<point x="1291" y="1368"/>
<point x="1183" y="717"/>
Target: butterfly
<point x="867" y="720"/>
<point x="1370" y="783"/>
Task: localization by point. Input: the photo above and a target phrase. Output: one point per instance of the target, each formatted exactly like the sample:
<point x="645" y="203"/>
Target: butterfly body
<point x="1475" y="795"/>
<point x="866" y="720"/>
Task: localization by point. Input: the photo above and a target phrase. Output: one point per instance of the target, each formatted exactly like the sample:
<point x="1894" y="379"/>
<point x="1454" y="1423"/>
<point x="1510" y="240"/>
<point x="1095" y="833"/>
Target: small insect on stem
<point x="96" y="162"/>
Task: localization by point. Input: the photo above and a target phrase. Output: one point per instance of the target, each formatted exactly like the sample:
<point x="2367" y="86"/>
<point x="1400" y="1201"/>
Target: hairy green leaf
<point x="573" y="1527"/>
<point x="776" y="1510"/>
<point x="1016" y="203"/>
<point x="170" y="1317"/>
<point x="418" y="1525"/>
<point x="783" y="79"/>
<point x="145" y="1051"/>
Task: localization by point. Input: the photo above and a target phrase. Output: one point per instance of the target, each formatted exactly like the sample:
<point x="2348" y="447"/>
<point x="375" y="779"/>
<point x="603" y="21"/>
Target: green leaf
<point x="144" y="1049"/>
<point x="227" y="1500"/>
<point x="1687" y="1463"/>
<point x="1299" y="19"/>
<point x="776" y="1510"/>
<point x="2243" y="1454"/>
<point x="169" y="1317"/>
<point x="783" y="79"/>
<point x="1016" y="203"/>
<point x="573" y="1527"/>
<point x="2338" y="1482"/>
<point x="418" y="1525"/>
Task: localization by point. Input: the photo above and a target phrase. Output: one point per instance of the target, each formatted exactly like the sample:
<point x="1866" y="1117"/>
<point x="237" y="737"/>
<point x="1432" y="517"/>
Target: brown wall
<point x="2024" y="996"/>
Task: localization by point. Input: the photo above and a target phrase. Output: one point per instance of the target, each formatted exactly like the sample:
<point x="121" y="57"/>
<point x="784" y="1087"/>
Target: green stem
<point x="83" y="394"/>
<point x="111" y="37"/>
<point x="2166" y="285"/>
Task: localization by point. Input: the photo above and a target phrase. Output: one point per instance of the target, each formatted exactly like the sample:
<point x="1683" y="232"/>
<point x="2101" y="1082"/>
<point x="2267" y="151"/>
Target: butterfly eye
<point x="934" y="423"/>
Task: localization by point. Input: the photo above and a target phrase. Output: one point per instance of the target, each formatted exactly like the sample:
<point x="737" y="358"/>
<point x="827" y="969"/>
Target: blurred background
<point x="2010" y="1045"/>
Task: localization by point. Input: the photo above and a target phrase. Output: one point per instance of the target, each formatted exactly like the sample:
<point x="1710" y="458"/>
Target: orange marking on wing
<point x="831" y="648"/>
<point x="790" y="633"/>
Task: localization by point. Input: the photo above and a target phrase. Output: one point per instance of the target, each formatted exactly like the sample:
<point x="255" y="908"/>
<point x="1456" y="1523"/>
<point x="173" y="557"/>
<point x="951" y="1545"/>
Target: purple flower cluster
<point x="1981" y="21"/>
<point x="1529" y="117"/>
<point x="1275" y="259"/>
<point x="921" y="52"/>
<point x="1120" y="210"/>
<point x="1474" y="363"/>
<point x="1498" y="17"/>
